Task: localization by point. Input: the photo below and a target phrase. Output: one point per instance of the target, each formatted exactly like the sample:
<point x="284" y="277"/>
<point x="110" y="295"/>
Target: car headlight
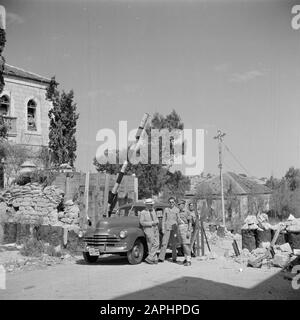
<point x="123" y="234"/>
<point x="80" y="234"/>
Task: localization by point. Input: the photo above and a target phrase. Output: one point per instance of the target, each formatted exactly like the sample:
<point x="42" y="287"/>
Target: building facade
<point x="24" y="108"/>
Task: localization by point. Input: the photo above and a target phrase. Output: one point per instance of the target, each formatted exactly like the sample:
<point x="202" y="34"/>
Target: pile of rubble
<point x="268" y="253"/>
<point x="259" y="222"/>
<point x="281" y="257"/>
<point x="33" y="204"/>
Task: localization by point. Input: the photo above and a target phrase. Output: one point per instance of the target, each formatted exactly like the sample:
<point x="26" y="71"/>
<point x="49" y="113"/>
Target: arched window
<point x="31" y="115"/>
<point x="4" y="105"/>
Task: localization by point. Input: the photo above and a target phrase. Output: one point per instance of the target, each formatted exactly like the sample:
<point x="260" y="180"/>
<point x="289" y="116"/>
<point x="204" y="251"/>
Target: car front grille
<point x="98" y="240"/>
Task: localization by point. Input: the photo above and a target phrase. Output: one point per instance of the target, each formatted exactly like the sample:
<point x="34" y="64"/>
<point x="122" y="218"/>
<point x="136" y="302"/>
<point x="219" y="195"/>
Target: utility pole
<point x="220" y="135"/>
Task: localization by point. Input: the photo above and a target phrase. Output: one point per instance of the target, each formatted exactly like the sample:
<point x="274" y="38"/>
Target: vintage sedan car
<point x="120" y="234"/>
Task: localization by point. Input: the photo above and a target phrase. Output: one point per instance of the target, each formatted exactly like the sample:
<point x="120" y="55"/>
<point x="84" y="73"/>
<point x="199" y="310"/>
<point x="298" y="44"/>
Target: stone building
<point x="243" y="195"/>
<point x="24" y="108"/>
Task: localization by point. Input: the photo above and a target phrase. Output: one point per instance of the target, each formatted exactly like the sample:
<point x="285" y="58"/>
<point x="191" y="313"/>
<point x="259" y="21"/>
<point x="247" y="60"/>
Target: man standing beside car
<point x="149" y="222"/>
<point x="185" y="228"/>
<point x="168" y="221"/>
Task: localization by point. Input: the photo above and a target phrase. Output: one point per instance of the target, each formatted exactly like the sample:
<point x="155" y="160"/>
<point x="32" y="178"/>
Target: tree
<point x="14" y="155"/>
<point x="3" y="130"/>
<point x="293" y="178"/>
<point x="272" y="183"/>
<point x="153" y="178"/>
<point x="285" y="201"/>
<point x="175" y="184"/>
<point x="63" y="121"/>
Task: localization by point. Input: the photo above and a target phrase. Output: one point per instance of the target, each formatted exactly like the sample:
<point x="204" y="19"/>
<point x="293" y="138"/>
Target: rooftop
<point x="233" y="183"/>
<point x="19" y="73"/>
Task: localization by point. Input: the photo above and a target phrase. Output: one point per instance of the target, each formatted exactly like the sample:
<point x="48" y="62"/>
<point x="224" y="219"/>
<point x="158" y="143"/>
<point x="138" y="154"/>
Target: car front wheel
<point x="88" y="258"/>
<point x="136" y="254"/>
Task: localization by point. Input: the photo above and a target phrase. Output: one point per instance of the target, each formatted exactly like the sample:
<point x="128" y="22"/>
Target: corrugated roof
<point x="250" y="185"/>
<point x="232" y="184"/>
<point x="23" y="74"/>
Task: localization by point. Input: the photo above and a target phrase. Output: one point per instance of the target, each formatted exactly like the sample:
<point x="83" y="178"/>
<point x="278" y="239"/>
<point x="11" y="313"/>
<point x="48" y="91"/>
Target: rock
<point x="264" y="245"/>
<point x="286" y="248"/>
<point x="291" y="218"/>
<point x="259" y="251"/>
<point x="61" y="215"/>
<point x="57" y="249"/>
<point x="212" y="256"/>
<point x="69" y="203"/>
<point x="245" y="252"/>
<point x="281" y="260"/>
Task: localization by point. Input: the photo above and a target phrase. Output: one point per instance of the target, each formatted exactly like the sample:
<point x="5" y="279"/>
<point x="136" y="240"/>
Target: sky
<point x="228" y="65"/>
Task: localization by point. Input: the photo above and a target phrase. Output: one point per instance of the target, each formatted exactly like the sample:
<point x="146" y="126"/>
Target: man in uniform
<point x="185" y="228"/>
<point x="149" y="222"/>
<point x="169" y="220"/>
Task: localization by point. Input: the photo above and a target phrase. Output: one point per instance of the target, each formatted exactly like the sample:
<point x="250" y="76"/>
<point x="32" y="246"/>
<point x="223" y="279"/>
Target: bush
<point x="35" y="248"/>
<point x="32" y="248"/>
<point x="38" y="176"/>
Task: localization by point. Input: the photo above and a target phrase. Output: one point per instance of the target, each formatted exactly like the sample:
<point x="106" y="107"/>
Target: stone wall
<point x="35" y="205"/>
<point x="62" y="236"/>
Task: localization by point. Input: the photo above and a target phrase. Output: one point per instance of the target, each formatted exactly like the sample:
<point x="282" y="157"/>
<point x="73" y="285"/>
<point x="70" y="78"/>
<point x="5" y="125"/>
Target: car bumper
<point x="107" y="248"/>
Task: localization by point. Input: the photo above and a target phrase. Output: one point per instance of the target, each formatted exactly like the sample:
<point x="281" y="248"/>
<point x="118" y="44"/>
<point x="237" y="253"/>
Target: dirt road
<point x="113" y="278"/>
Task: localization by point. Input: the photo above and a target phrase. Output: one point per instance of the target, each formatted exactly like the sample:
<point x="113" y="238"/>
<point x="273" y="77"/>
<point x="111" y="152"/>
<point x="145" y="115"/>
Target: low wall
<point x="54" y="235"/>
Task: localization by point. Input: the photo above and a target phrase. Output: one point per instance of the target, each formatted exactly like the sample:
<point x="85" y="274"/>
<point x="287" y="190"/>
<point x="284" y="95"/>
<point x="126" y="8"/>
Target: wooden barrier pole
<point x="197" y="230"/>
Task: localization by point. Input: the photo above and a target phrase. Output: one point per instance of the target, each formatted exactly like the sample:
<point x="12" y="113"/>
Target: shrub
<point x="35" y="248"/>
<point x="43" y="177"/>
<point x="32" y="248"/>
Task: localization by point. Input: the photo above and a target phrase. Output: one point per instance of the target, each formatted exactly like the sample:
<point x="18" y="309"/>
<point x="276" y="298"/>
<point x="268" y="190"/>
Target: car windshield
<point x="131" y="211"/>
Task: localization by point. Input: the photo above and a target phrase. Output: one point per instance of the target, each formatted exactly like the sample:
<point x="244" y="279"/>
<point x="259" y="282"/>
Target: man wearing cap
<point x="149" y="222"/>
<point x="168" y="221"/>
<point x="185" y="228"/>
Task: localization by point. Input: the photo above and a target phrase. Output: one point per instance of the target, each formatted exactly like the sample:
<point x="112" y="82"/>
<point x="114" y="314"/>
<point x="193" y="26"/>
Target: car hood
<point x="106" y="224"/>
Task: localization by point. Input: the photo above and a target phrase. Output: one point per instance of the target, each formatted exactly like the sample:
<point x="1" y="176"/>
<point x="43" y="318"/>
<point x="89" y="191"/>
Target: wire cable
<point x="236" y="159"/>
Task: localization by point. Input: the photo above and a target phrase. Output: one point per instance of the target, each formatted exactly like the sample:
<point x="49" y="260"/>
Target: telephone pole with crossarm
<point x="220" y="135"/>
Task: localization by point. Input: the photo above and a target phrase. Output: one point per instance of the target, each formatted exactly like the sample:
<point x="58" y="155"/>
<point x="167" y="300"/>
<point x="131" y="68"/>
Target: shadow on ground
<point x="192" y="288"/>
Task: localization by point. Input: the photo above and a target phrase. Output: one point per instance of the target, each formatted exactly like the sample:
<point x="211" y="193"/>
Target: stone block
<point x="281" y="259"/>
